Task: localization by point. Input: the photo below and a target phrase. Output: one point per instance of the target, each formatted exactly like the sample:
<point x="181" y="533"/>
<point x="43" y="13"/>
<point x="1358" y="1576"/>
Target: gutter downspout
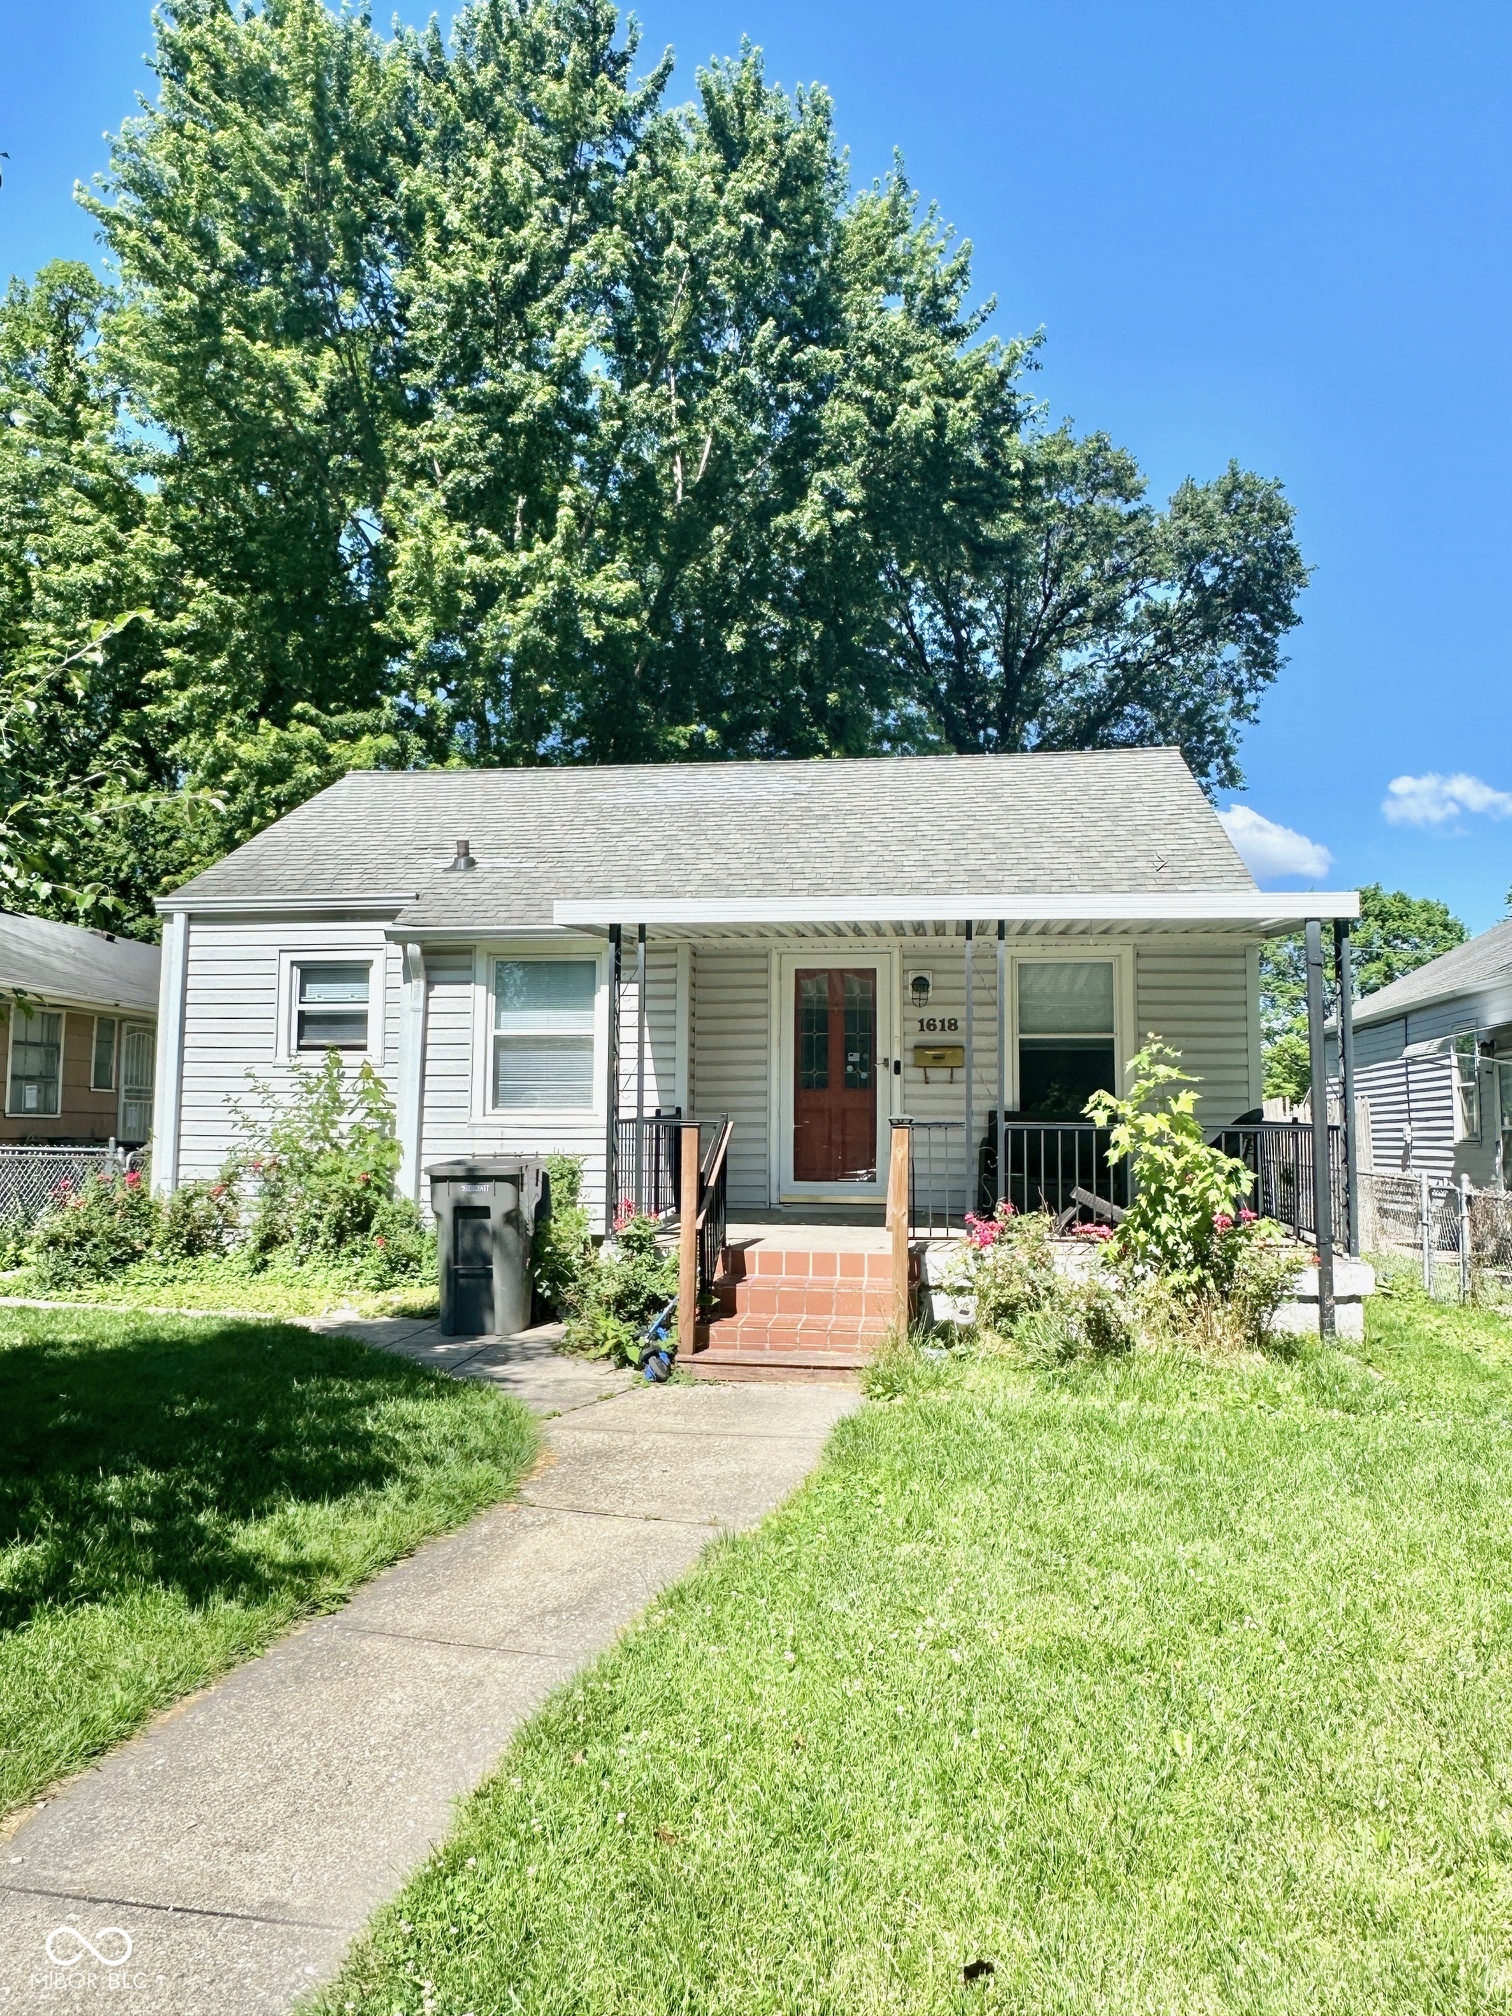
<point x="409" y="1115"/>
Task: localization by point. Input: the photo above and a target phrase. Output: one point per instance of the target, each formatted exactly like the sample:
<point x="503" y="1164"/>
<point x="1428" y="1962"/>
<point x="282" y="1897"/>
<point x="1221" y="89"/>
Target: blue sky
<point x="1279" y="233"/>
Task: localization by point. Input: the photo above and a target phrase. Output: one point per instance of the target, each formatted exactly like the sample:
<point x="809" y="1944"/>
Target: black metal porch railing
<point x="1049" y="1162"/>
<point x="647" y="1164"/>
<point x="1280" y="1154"/>
<point x="713" y="1206"/>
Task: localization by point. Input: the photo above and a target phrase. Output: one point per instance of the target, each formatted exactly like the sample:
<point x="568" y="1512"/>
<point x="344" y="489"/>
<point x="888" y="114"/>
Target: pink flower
<point x="133" y="1179"/>
<point x="1095" y="1232"/>
<point x="1248" y="1217"/>
<point x="379" y="1240"/>
<point x="1223" y="1223"/>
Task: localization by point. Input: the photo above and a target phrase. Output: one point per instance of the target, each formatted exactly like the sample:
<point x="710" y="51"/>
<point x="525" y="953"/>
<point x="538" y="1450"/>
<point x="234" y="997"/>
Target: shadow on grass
<point x="138" y="1451"/>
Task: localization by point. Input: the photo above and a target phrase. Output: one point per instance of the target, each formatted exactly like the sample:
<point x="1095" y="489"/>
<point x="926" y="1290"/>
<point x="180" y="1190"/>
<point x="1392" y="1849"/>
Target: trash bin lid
<point x="481" y="1168"/>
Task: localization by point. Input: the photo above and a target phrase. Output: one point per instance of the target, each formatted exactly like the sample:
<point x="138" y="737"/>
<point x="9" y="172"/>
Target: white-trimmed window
<point x="1067" y="1024"/>
<point x="36" y="1064"/>
<point x="102" y="1056"/>
<point x="331" y="1004"/>
<point x="1465" y="1059"/>
<point x="543" y="1013"/>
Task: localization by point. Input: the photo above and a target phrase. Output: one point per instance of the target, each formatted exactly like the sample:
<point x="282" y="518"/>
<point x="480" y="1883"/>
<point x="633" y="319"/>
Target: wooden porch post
<point x="898" y="1227"/>
<point x="687" y="1246"/>
<point x="1322" y="1165"/>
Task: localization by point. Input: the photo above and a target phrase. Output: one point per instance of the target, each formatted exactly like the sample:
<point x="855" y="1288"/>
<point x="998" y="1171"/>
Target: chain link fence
<point x="1458" y="1239"/>
<point x="33" y="1178"/>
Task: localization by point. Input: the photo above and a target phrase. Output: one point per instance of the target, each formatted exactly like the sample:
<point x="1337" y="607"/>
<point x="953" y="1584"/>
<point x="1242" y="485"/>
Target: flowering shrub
<point x="1171" y="1230"/>
<point x="199" y="1218"/>
<point x="617" y="1297"/>
<point x="322" y="1169"/>
<point x="562" y="1250"/>
<point x="1008" y="1265"/>
<point x="92" y="1229"/>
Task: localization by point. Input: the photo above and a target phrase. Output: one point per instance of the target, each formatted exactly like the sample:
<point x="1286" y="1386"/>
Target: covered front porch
<point x="857" y="1083"/>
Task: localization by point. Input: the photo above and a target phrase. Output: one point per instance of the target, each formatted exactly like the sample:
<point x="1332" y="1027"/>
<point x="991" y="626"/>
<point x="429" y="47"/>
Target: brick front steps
<point x="789" y="1313"/>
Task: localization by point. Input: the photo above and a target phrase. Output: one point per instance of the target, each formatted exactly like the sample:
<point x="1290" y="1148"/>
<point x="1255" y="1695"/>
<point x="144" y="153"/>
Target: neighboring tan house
<point x="1433" y="1057"/>
<point x="81" y="1014"/>
<point x="808" y="932"/>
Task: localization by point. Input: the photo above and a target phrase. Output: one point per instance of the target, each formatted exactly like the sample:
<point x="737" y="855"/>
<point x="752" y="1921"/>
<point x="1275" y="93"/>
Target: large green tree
<point x="464" y="400"/>
<point x="1396" y="934"/>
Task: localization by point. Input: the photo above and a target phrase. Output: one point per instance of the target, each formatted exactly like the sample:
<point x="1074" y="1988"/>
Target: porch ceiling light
<point x="918" y="986"/>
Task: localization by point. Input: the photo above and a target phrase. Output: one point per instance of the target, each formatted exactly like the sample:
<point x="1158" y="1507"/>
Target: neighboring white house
<point x="808" y="932"/>
<point x="1433" y="1058"/>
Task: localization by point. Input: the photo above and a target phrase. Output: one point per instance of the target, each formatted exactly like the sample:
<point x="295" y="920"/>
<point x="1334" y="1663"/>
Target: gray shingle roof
<point x="1469" y="969"/>
<point x="1106" y="821"/>
<point x="61" y="962"/>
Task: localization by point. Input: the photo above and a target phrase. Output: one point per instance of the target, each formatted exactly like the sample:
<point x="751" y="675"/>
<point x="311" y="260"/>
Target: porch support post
<point x="687" y="1244"/>
<point x="409" y="1103"/>
<point x="969" y="956"/>
<point x="611" y="1146"/>
<point x="898" y="1223"/>
<point x="1002" y="1035"/>
<point x="168" y="1081"/>
<point x="1344" y="975"/>
<point x="640" y="1067"/>
<point x="1322" y="1172"/>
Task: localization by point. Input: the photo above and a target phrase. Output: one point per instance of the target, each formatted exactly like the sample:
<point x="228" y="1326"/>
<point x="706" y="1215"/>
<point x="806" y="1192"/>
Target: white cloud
<point x="1269" y="849"/>
<point x="1432" y="800"/>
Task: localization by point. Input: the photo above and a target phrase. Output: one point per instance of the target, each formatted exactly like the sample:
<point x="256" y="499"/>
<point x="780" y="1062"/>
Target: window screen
<point x="102" y="1067"/>
<point x="1066" y="1035"/>
<point x="36" y="1053"/>
<point x="332" y="1008"/>
<point x="543" y="1032"/>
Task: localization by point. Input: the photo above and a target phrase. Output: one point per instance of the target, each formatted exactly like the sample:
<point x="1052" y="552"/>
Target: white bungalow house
<point x="537" y="960"/>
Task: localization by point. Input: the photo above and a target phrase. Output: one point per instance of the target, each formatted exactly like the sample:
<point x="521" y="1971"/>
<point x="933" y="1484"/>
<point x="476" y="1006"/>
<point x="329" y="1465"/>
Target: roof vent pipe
<point x="463" y="858"/>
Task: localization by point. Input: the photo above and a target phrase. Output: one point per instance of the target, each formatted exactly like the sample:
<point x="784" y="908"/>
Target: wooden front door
<point x="835" y="1075"/>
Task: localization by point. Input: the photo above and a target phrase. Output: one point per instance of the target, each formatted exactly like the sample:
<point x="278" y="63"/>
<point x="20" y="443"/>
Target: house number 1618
<point x="937" y="1025"/>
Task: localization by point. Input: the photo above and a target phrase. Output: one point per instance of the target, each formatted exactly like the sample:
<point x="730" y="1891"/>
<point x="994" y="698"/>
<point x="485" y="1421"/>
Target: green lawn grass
<point x="1163" y="1685"/>
<point x="173" y="1494"/>
<point x="233" y="1285"/>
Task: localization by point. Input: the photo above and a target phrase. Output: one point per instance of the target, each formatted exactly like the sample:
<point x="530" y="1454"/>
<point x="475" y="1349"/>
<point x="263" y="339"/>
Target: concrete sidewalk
<point x="221" y="1862"/>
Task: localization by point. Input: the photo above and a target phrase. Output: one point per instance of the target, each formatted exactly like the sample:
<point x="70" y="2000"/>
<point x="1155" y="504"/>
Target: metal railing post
<point x="1322" y="1169"/>
<point x="611" y="1154"/>
<point x="1344" y="975"/>
<point x="1002" y="1059"/>
<point x="970" y="1018"/>
<point x="1464" y="1237"/>
<point x="1426" y="1231"/>
<point x="640" y="1068"/>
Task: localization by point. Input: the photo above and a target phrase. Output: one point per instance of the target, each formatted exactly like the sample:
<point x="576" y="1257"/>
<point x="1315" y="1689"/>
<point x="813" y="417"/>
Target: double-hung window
<point x="102" y="1063"/>
<point x="36" y="1056"/>
<point x="331" y="1006"/>
<point x="1066" y="1035"/>
<point x="1467" y="1113"/>
<point x="543" y="1032"/>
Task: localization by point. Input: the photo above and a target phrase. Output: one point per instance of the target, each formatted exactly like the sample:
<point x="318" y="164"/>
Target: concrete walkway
<point x="220" y="1863"/>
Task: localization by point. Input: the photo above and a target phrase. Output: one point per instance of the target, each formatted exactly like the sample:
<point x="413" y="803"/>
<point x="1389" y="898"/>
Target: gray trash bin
<point x="485" y="1209"/>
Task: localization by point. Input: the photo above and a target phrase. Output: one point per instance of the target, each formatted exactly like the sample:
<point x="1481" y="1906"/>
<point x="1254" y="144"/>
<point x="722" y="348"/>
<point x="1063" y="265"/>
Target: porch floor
<point x="812" y="1232"/>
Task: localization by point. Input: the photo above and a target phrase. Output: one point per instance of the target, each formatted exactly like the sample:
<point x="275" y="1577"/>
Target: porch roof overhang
<point x="1231" y="912"/>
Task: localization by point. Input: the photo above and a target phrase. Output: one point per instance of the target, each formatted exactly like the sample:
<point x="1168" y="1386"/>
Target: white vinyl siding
<point x="1197" y="1000"/>
<point x="239" y="984"/>
<point x="731" y="1068"/>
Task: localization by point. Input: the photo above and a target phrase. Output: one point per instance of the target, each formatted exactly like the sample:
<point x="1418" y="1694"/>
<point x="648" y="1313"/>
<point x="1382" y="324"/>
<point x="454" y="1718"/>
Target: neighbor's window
<point x="543" y="1032"/>
<point x="1065" y="1035"/>
<point x="331" y="1011"/>
<point x="35" y="1057"/>
<point x="1467" y="1117"/>
<point x="102" y="1065"/>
